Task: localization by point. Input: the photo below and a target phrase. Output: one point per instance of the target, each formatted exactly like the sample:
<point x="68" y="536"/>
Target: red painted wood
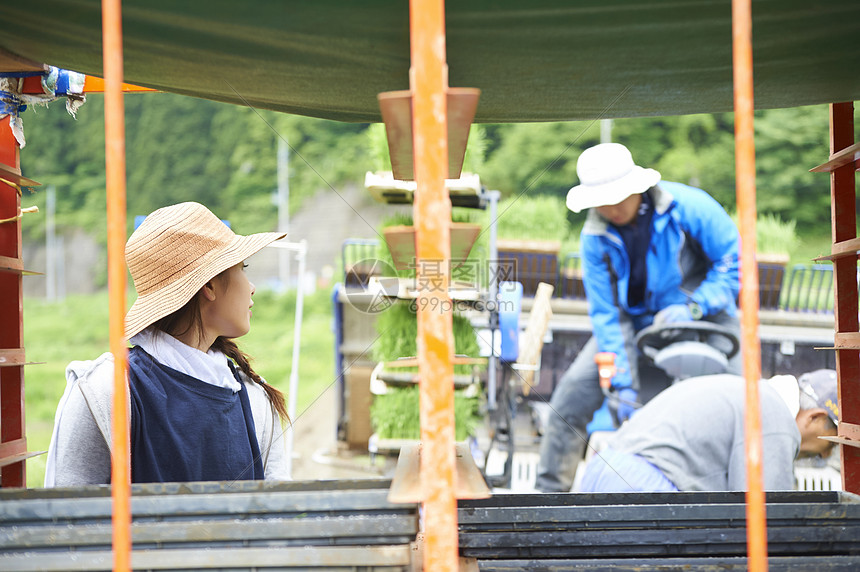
<point x="11" y="318"/>
<point x="843" y="197"/>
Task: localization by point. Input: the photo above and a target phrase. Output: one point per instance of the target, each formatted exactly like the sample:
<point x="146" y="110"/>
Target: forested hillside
<point x="180" y="148"/>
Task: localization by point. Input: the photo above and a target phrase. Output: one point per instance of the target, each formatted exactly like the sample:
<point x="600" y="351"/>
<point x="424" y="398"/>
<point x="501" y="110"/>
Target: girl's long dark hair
<point x="189" y="316"/>
<point x="229" y="348"/>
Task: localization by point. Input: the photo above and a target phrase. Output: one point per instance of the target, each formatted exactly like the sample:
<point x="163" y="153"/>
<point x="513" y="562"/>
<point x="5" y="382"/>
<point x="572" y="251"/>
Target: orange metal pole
<point x="115" y="167"/>
<point x="432" y="214"/>
<point x="94" y="84"/>
<point x="746" y="195"/>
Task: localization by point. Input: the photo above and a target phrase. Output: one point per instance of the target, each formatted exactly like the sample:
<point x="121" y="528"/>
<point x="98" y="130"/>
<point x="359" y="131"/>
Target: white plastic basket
<point x="818" y="479"/>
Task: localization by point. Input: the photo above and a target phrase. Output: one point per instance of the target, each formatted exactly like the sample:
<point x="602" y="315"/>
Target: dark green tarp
<point x="533" y="60"/>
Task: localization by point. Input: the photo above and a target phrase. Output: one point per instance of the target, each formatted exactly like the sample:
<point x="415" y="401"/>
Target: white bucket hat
<point x="607" y="176"/>
<point x="174" y="252"/>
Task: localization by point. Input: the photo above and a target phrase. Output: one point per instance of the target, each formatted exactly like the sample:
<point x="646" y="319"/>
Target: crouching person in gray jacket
<point x="690" y="437"/>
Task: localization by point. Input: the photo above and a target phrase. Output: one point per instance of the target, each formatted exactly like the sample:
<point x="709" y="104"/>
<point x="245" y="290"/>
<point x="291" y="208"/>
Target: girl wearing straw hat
<point x="198" y="410"/>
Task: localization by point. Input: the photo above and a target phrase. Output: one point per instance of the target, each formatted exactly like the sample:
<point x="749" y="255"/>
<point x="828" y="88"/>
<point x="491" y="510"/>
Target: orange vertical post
<point x="746" y="195"/>
<point x="115" y="171"/>
<point x="432" y="214"/>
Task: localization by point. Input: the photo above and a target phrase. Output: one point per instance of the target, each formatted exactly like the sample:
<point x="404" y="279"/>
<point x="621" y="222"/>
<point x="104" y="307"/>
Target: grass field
<point x="77" y="329"/>
<point x="809" y="247"/>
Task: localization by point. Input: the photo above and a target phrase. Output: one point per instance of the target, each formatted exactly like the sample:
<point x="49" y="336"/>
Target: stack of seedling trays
<point x="249" y="525"/>
<point x="658" y="531"/>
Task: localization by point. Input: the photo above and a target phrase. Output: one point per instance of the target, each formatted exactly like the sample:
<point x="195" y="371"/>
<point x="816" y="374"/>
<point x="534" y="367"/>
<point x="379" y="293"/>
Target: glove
<point x="672" y="314"/>
<point x="627" y="398"/>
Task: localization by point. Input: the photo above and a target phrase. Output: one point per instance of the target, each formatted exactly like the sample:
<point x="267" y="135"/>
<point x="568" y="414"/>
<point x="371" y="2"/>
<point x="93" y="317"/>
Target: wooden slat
<point x="842" y="441"/>
<point x="847" y="341"/>
<point x="20" y="457"/>
<point x="14" y="265"/>
<point x="10" y="264"/>
<point x="843" y="341"/>
<point x="532" y="341"/>
<point x="849" y="435"/>
<point x="840" y="159"/>
<point x="842" y="249"/>
<point x="849" y="430"/>
<point x="12" y="448"/>
<point x="14" y="177"/>
<point x="11" y="356"/>
<point x="846" y="247"/>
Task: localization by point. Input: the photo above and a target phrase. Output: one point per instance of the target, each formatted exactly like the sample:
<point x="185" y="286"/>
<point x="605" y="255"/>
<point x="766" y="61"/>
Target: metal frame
<point x="327" y="525"/>
<point x="428" y="83"/>
<point x="634" y="525"/>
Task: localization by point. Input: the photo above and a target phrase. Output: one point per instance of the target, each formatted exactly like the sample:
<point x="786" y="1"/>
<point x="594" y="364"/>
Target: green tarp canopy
<point x="534" y="60"/>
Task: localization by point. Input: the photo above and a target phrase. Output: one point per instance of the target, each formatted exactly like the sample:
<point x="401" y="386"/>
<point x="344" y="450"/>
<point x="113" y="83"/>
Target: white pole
<point x="495" y="268"/>
<point x="297" y="338"/>
<point x="50" y="245"/>
<point x="301" y="250"/>
<point x="284" y="209"/>
<point x="606" y="131"/>
<point x="60" y="265"/>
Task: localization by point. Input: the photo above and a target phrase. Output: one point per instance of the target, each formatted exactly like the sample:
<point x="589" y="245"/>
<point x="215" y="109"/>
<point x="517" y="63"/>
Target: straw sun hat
<point x="174" y="252"/>
<point x="608" y="175"/>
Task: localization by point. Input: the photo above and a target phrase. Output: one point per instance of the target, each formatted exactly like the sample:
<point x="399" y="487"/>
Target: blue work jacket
<point x="693" y="257"/>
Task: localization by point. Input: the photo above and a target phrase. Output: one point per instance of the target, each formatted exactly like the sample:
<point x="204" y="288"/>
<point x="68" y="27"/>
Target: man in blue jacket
<point x="652" y="252"/>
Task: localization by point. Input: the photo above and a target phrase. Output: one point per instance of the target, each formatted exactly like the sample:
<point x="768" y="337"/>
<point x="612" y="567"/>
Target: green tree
<point x="180" y="148"/>
<point x="789" y="142"/>
<point x="536" y="158"/>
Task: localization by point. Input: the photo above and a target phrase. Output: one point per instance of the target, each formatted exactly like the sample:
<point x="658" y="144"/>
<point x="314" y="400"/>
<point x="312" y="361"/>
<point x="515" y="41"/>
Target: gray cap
<point x="821" y="386"/>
